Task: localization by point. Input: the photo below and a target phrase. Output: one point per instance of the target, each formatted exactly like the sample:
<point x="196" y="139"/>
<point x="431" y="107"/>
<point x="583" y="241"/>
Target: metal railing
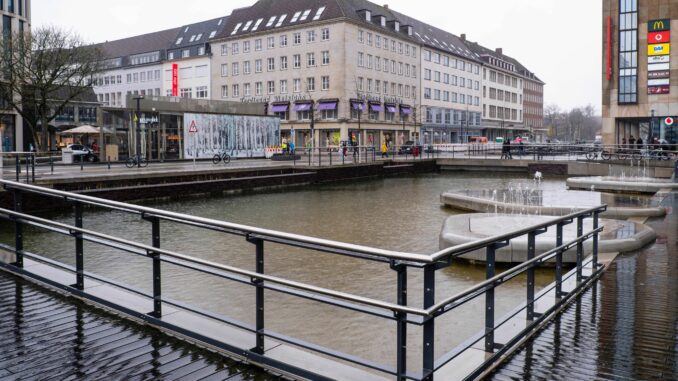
<point x="401" y="312"/>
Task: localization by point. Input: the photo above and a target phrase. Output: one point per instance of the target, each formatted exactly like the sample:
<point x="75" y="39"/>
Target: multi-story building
<point x="640" y="99"/>
<point x="502" y="93"/>
<point x="133" y="66"/>
<point x="16" y="18"/>
<point x="351" y="67"/>
<point x="533" y="105"/>
<point x="450" y="95"/>
<point x="187" y="70"/>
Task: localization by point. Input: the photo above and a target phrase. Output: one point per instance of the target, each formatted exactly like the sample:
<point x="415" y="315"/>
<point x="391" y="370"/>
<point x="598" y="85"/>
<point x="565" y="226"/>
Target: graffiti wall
<point x="240" y="136"/>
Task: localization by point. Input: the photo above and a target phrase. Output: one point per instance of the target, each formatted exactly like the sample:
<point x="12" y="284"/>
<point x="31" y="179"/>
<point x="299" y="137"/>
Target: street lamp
<point x="138" y="128"/>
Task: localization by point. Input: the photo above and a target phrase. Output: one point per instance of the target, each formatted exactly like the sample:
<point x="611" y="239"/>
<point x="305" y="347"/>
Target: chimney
<point x="463" y="36"/>
<point x="500" y="51"/>
<point x="386" y="6"/>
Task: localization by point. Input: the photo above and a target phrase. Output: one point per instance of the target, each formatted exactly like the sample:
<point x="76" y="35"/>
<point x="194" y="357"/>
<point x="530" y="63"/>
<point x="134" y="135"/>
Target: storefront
<point x="7" y="132"/>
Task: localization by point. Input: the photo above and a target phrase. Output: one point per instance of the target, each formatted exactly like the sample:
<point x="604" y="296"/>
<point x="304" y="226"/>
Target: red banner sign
<point x="653" y="90"/>
<point x="659" y="37"/>
<point x="175" y="80"/>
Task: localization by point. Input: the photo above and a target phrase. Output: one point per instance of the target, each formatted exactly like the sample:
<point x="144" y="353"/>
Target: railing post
<point x="18" y="230"/>
<point x="559" y="262"/>
<point x="330" y="151"/>
<point x="51" y="164"/>
<point x="531" y="242"/>
<point x="429" y="324"/>
<point x="310" y="153"/>
<point x="320" y="157"/>
<point x="580" y="247"/>
<point x="18" y="167"/>
<point x="157" y="278"/>
<point x="33" y="168"/>
<point x="594" y="261"/>
<point x="259" y="283"/>
<point x="401" y="340"/>
<point x="79" y="249"/>
<point x="489" y="299"/>
<point x="28" y="168"/>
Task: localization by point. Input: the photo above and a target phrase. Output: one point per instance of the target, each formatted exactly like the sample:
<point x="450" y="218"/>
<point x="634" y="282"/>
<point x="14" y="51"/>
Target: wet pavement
<point x="44" y="336"/>
<point x="624" y="328"/>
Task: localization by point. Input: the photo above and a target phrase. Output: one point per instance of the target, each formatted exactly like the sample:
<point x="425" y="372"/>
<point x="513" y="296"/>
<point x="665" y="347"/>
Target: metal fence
<point x="400" y="262"/>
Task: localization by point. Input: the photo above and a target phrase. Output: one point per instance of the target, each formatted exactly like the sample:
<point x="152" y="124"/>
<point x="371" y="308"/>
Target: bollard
<point x="18" y="168"/>
<point x="82" y="162"/>
<point x="330" y="152"/>
<point x="109" y="162"/>
<point x="310" y="153"/>
<point x="320" y="157"/>
<point x="51" y="164"/>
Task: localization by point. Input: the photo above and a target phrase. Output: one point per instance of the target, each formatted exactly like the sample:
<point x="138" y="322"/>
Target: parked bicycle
<point x="652" y="154"/>
<point x="223" y="157"/>
<point x="136" y="160"/>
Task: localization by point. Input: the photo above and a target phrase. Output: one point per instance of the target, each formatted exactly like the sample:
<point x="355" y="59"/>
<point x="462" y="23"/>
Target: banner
<point x="175" y="80"/>
<point x="238" y="135"/>
<point x="658" y="50"/>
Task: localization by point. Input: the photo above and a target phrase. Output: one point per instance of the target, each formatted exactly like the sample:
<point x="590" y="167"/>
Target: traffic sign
<point x="193" y="128"/>
<point x="668" y="121"/>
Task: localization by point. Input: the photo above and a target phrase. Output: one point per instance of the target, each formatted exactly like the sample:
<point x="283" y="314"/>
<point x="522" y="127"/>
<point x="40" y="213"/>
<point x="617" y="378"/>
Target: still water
<point x="402" y="213"/>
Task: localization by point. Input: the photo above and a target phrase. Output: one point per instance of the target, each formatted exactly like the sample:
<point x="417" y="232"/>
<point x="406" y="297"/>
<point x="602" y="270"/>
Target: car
<point x="82" y="152"/>
<point x="407" y="148"/>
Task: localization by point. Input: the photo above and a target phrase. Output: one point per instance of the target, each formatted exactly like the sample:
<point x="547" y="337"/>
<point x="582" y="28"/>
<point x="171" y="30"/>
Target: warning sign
<point x="193" y="128"/>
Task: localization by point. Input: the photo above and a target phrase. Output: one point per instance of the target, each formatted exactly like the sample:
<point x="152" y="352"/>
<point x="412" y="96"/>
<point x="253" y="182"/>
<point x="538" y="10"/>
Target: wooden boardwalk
<point x="45" y="336"/>
<point x="624" y="328"/>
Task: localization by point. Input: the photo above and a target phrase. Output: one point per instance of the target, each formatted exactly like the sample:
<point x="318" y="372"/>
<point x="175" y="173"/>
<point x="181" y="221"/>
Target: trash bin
<point x="67" y="156"/>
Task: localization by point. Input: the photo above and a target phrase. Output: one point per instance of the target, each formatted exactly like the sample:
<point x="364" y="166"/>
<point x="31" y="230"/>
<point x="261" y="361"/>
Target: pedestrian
<point x="639" y="143"/>
<point x="632" y="142"/>
<point x="292" y="147"/>
<point x="284" y="146"/>
<point x="384" y="150"/>
<point x="506" y="150"/>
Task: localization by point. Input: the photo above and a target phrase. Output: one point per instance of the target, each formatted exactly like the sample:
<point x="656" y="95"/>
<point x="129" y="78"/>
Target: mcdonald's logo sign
<point x="658" y="25"/>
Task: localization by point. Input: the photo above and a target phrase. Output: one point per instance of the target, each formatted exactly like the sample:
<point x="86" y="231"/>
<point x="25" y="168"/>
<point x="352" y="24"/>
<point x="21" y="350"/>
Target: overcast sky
<point x="559" y="40"/>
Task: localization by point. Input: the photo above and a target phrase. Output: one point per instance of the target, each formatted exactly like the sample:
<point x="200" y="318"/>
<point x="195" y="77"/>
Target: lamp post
<point x="138" y="129"/>
<point x="651" y="123"/>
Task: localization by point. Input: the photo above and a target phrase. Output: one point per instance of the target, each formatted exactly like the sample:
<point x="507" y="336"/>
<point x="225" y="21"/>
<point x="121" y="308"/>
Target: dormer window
<point x="368" y="15"/>
<point x="396" y="26"/>
<point x="382" y="21"/>
<point x="409" y="30"/>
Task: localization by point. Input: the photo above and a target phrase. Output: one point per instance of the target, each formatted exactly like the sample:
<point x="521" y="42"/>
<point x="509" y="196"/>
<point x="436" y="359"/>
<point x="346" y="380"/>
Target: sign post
<point x="193" y="130"/>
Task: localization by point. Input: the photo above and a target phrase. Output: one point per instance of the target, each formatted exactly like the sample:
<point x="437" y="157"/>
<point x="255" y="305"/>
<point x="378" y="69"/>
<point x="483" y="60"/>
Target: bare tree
<point x="552" y="112"/>
<point x="42" y="72"/>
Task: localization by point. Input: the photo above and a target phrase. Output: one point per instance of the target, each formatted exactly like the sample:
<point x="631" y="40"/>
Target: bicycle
<point x="226" y="158"/>
<point x="136" y="160"/>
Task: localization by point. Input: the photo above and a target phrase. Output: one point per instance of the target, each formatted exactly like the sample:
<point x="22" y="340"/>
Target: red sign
<point x="664" y="89"/>
<point x="175" y="80"/>
<point x="659" y="37"/>
<point x="668" y="121"/>
<point x="193" y="128"/>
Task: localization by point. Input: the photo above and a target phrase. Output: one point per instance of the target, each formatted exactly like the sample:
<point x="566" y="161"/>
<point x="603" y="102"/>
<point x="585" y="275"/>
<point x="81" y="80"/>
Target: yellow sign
<point x="659" y="50"/>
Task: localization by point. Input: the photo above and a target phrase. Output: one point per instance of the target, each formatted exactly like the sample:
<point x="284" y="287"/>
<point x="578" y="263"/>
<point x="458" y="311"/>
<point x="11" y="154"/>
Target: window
<point x="369" y="39"/>
<point x="201" y="71"/>
<point x="224" y="91"/>
<point x="258" y="66"/>
<point x="184" y="72"/>
<point x="236" y="91"/>
<point x="400" y="47"/>
<point x="271" y="42"/>
<point x="186" y="93"/>
<point x="201" y="92"/>
<point x="170" y="55"/>
<point x="296" y="84"/>
<point x="427" y="74"/>
<point x="359" y="85"/>
<point x="377" y="41"/>
<point x="361" y="59"/>
<point x="310" y="84"/>
<point x="377" y="63"/>
<point x="247" y="90"/>
<point x="246" y="67"/>
<point x="201" y="50"/>
<point x="305" y="15"/>
<point x="185" y="53"/>
<point x="360" y="36"/>
<point x="377" y="86"/>
<point x="325" y="82"/>
<point x="136" y="77"/>
<point x="224" y="70"/>
<point x="427" y="93"/>
<point x="296" y="61"/>
<point x="310" y="59"/>
<point x="258" y="88"/>
<point x="283" y="41"/>
<point x="297" y="38"/>
<point x="436" y="76"/>
<point x="271" y="64"/>
<point x="235" y="47"/>
<point x="283" y="63"/>
<point x="283" y="86"/>
<point x="257" y="44"/>
<point x="369" y="61"/>
<point x="369" y="85"/>
<point x="129" y="78"/>
<point x="628" y="52"/>
<point x="436" y="95"/>
<point x="326" y="57"/>
<point x="235" y="68"/>
<point x="310" y="36"/>
<point x="325" y="34"/>
<point x="280" y="20"/>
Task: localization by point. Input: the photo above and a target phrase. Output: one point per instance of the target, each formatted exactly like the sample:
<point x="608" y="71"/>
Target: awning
<point x="391" y="108"/>
<point x="302" y="107"/>
<point x="280" y="108"/>
<point x="405" y="110"/>
<point x="375" y="107"/>
<point x="327" y="106"/>
<point x="357" y="105"/>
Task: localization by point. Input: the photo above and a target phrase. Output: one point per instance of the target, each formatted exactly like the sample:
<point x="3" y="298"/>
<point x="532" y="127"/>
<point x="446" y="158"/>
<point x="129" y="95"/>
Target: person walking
<point x="506" y="150"/>
<point x="384" y="150"/>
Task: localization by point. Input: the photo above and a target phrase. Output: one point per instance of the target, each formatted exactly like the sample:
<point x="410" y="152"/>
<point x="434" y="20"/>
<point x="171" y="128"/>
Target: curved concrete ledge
<point x="483" y="205"/>
<point x="616" y="184"/>
<point x="618" y="236"/>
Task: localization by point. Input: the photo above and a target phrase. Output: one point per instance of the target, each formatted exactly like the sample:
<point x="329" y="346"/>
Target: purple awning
<point x="391" y="109"/>
<point x="302" y="107"/>
<point x="280" y="108"/>
<point x="375" y="107"/>
<point x="357" y="106"/>
<point x="327" y="106"/>
<point x="406" y="110"/>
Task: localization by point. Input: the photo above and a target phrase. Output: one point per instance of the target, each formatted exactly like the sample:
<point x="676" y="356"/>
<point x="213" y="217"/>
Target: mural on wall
<point x="240" y="136"/>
